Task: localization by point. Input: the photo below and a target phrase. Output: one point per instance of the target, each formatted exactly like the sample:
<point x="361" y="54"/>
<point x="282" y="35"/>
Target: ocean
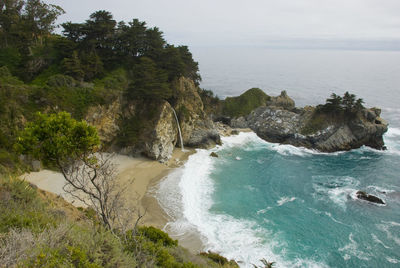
<point x="293" y="206"/>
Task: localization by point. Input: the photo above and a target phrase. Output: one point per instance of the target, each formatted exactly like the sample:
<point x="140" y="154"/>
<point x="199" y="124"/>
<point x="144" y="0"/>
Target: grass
<point x="38" y="229"/>
<point x="245" y="103"/>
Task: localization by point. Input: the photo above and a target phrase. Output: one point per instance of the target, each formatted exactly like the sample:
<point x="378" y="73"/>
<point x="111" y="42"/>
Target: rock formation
<point x="105" y="119"/>
<point x="281" y="122"/>
<point x="198" y="130"/>
<point x="368" y="197"/>
<point x="153" y="124"/>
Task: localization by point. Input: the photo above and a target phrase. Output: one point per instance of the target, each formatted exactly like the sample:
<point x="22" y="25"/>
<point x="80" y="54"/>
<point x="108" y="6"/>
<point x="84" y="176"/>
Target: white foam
<point x="380" y="189"/>
<point x="377" y="240"/>
<point x="391" y="235"/>
<point x="250" y="141"/>
<point x="338" y="189"/>
<point x="392" y="260"/>
<point x="263" y="211"/>
<point x="351" y="250"/>
<point x="392" y="132"/>
<point x="187" y="194"/>
<point x="332" y="218"/>
<point x="233" y="238"/>
<point x="284" y="200"/>
<point x="241" y="139"/>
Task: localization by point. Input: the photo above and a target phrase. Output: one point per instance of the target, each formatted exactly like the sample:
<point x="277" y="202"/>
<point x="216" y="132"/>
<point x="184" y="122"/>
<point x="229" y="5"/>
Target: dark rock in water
<point x="371" y="198"/>
<point x="213" y="154"/>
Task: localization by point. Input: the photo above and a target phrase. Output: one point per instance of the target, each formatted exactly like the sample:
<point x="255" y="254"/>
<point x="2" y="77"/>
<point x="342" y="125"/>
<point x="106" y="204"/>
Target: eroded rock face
<point x="161" y="141"/>
<point x="198" y="130"/>
<point x="105" y="120"/>
<point x="275" y="124"/>
<point x="158" y="132"/>
<point x="283" y="101"/>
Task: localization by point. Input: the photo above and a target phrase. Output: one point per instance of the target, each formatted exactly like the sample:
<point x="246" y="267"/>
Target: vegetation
<point x="245" y="103"/>
<point x="348" y="104"/>
<point x="61" y="141"/>
<point x="212" y="103"/>
<point x="336" y="109"/>
<point x="91" y="63"/>
<point x="38" y="229"/>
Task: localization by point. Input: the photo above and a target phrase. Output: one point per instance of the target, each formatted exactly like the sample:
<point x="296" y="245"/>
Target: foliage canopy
<point x="55" y="138"/>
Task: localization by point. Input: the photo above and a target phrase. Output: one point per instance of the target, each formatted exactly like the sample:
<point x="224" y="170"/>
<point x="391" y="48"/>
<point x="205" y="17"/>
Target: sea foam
<point x="187" y="196"/>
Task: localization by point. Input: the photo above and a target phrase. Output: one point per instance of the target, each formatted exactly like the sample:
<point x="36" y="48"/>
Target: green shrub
<point x="60" y="80"/>
<point x="11" y="58"/>
<point x="317" y="122"/>
<point x="157" y="236"/>
<point x="245" y="103"/>
<point x="21" y="207"/>
<point x="215" y="257"/>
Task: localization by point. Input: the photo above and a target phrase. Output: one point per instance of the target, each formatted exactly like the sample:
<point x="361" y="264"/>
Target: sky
<point x="371" y="24"/>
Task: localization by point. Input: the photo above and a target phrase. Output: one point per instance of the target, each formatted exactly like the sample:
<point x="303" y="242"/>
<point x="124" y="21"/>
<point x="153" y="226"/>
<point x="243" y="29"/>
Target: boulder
<point x="213" y="154"/>
<point x="367" y="197"/>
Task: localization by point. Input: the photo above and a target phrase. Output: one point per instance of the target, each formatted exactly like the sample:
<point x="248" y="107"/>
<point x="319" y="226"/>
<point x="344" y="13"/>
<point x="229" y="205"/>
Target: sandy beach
<point x="138" y="174"/>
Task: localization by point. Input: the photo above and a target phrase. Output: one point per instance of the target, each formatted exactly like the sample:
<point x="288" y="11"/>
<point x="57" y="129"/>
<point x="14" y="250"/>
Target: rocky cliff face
<point x="161" y="140"/>
<point x="282" y="100"/>
<point x="153" y="124"/>
<point x="105" y="119"/>
<point x="288" y="125"/>
<point x="198" y="130"/>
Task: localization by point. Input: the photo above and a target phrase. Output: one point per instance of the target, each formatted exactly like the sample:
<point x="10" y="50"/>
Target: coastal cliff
<point x="149" y="127"/>
<point x="279" y="121"/>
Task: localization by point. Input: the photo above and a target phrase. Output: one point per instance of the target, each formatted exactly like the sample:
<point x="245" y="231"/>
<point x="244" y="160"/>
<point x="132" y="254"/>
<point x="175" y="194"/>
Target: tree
<point x="148" y="81"/>
<point x="10" y="15"/>
<point x="40" y="18"/>
<point x="358" y="106"/>
<point x="71" y="146"/>
<point x="348" y="101"/>
<point x="131" y="39"/>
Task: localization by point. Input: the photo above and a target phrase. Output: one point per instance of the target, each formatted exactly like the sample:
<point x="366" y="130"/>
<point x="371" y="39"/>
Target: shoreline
<point x="141" y="175"/>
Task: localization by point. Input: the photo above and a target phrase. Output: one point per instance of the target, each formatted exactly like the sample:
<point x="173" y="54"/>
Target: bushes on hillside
<point x="245" y="103"/>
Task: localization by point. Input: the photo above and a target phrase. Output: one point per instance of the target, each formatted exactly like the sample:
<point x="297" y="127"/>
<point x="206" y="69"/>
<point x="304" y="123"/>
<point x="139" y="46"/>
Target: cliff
<point x="149" y="127"/>
<point x="308" y="127"/>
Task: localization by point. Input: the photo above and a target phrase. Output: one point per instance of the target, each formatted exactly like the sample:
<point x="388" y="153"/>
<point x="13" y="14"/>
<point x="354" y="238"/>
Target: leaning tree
<point x="72" y="146"/>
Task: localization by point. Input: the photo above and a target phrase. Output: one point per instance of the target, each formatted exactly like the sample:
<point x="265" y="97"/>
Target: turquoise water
<point x="305" y="202"/>
<point x="290" y="205"/>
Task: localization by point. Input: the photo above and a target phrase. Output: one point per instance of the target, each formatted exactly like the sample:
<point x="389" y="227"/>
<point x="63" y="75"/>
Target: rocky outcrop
<point x="198" y="130"/>
<point x="105" y="120"/>
<point x="150" y="128"/>
<point x="214" y="154"/>
<point x="292" y="126"/>
<point x="161" y="141"/>
<point x="283" y="101"/>
<point x="370" y="198"/>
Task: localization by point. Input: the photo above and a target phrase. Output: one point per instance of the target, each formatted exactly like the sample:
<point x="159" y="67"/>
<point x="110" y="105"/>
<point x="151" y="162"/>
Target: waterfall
<point x="179" y="129"/>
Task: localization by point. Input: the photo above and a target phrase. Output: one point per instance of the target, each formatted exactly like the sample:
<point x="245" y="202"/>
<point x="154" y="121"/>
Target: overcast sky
<point x="374" y="23"/>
